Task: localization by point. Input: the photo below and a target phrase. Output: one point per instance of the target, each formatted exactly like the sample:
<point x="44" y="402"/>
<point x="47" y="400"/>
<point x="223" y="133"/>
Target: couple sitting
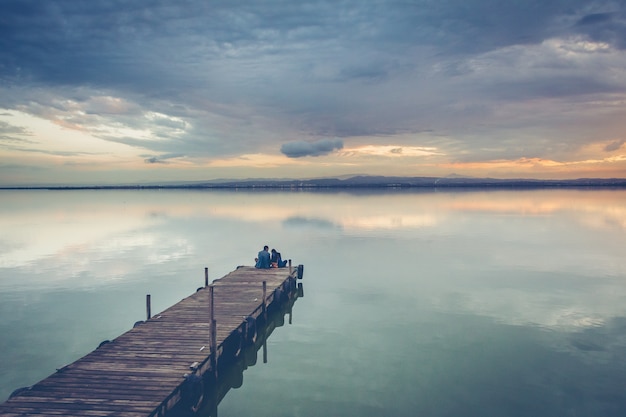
<point x="265" y="261"/>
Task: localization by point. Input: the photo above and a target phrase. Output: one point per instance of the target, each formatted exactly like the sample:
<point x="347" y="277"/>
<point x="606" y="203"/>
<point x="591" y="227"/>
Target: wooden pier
<point x="165" y="365"/>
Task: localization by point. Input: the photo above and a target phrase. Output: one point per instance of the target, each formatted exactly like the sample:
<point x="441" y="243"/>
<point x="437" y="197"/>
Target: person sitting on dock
<point x="263" y="259"/>
<point x="277" y="260"/>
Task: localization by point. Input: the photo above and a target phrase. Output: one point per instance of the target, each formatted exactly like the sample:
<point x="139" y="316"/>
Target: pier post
<point x="290" y="270"/>
<point x="265" y="300"/>
<point x="211" y="312"/>
<point x="213" y="331"/>
<point x="214" y="347"/>
<point x="148" y="307"/>
<point x="206" y="277"/>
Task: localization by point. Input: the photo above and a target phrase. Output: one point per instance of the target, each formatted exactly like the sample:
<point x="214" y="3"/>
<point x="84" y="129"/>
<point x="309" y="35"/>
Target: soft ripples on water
<point x="482" y="303"/>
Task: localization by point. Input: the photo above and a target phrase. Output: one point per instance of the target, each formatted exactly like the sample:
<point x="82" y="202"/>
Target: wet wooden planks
<point x="141" y="372"/>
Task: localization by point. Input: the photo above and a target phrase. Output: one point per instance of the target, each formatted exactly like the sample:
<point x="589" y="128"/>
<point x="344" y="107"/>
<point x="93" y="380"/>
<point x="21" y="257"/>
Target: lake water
<point x="439" y="303"/>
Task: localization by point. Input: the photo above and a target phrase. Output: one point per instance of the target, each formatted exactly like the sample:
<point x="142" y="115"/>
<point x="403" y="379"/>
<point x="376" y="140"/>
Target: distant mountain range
<point x="360" y="181"/>
<point x="366" y="181"/>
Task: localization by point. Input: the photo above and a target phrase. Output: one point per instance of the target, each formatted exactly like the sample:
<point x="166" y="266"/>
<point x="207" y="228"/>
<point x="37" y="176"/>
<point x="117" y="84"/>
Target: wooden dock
<point x="163" y="366"/>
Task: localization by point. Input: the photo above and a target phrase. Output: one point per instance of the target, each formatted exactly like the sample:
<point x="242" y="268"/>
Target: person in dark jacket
<point x="277" y="259"/>
<point x="263" y="259"/>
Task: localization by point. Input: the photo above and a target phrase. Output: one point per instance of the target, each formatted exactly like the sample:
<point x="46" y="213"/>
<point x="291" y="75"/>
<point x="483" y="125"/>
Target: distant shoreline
<point x="359" y="182"/>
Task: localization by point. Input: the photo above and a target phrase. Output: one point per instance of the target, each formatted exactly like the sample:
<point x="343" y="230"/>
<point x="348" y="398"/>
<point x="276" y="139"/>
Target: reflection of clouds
<point x="385" y="222"/>
<point x="99" y="262"/>
<point x="389" y="210"/>
<point x="605" y="217"/>
<point x="567" y="309"/>
<point x="335" y="210"/>
<point x="374" y="222"/>
<point x="549" y="273"/>
<point x="173" y="250"/>
<point x="384" y="210"/>
<point x="53" y="238"/>
<point x="598" y="209"/>
<point x="34" y="236"/>
<point x="601" y="343"/>
<point x="309" y="222"/>
<point x="56" y="226"/>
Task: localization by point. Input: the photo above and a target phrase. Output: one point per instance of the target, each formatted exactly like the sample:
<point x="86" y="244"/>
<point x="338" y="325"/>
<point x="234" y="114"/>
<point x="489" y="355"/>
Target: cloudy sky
<point x="141" y="91"/>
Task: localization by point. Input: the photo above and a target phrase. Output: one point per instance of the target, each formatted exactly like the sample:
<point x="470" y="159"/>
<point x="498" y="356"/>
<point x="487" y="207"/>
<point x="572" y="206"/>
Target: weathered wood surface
<point x="141" y="372"/>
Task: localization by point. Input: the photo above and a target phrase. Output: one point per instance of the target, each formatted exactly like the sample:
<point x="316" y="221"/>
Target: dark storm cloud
<point x="595" y="18"/>
<point x="300" y="149"/>
<point x="542" y="86"/>
<point x="605" y="27"/>
<point x="154" y="160"/>
<point x="161" y="159"/>
<point x="143" y="44"/>
<point x="615" y="145"/>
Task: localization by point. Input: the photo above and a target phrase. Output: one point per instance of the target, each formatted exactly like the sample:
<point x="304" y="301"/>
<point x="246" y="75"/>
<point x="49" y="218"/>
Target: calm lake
<point x="434" y="303"/>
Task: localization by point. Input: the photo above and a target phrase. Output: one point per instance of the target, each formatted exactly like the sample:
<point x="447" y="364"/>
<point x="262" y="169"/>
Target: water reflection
<point x="498" y="299"/>
<point x="204" y="402"/>
<point x="39" y="225"/>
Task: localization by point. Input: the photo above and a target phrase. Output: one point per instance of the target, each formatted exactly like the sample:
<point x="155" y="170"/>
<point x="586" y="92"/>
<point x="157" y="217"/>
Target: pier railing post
<point x="211" y="312"/>
<point x="206" y="277"/>
<point x="214" y="346"/>
<point x="265" y="300"/>
<point x="148" y="307"/>
<point x="213" y="330"/>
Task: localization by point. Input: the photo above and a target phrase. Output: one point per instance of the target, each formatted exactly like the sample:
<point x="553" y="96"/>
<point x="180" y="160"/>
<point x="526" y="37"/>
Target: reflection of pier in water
<point x="230" y="370"/>
<point x="183" y="359"/>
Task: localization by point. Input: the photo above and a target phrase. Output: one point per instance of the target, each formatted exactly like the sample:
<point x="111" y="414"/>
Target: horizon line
<point x="359" y="181"/>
